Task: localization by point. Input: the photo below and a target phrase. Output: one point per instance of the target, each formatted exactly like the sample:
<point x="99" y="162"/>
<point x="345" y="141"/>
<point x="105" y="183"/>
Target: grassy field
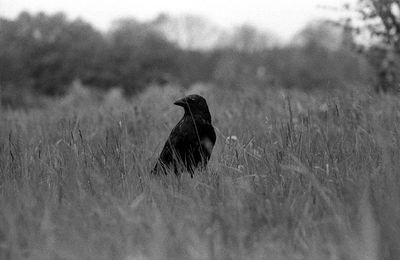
<point x="292" y="176"/>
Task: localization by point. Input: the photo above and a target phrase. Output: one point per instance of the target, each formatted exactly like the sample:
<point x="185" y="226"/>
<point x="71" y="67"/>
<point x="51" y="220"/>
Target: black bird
<point x="191" y="141"/>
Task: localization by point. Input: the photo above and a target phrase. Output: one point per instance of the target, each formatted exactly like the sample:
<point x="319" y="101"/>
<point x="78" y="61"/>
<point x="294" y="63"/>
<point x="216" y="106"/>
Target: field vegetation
<point x="306" y="163"/>
<point x="292" y="176"/>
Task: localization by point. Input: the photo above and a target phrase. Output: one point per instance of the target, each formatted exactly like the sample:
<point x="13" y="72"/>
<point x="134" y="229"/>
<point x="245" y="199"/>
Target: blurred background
<point x="303" y="98"/>
<point x="48" y="48"/>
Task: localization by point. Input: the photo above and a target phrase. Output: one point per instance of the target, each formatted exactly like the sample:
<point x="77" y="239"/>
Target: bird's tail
<point x="159" y="167"/>
<point x="155" y="170"/>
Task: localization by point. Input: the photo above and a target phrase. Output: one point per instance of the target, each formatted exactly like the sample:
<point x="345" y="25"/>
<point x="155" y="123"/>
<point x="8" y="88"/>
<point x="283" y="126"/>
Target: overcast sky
<point x="282" y="17"/>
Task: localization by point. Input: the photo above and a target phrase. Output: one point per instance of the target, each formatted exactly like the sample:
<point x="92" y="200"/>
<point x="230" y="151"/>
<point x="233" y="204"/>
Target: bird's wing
<point x="207" y="138"/>
<point x="190" y="134"/>
<point x="173" y="146"/>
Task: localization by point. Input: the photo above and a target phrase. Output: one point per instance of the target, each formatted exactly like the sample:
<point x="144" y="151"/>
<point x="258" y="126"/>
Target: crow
<point x="191" y="141"/>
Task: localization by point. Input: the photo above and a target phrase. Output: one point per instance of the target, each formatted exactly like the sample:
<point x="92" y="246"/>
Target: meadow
<point x="293" y="175"/>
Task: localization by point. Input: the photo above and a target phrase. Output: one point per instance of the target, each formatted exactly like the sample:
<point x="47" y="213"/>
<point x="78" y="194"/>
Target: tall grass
<point x="292" y="176"/>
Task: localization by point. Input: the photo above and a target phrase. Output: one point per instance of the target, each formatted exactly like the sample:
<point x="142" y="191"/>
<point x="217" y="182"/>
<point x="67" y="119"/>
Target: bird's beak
<point x="180" y="102"/>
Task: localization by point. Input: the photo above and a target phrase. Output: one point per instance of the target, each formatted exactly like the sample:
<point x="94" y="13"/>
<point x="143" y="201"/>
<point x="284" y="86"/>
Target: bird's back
<point x="189" y="145"/>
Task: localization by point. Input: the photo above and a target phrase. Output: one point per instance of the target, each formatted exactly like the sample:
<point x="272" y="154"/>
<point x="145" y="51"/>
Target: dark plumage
<point x="191" y="141"/>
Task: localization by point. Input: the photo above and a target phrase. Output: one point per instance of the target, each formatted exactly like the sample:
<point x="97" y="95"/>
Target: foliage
<point x="45" y="54"/>
<point x="139" y="55"/>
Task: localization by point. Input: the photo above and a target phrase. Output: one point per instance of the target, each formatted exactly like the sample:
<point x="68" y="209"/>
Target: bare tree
<point x="248" y="38"/>
<point x="382" y="19"/>
<point x="188" y="31"/>
<point x="380" y="24"/>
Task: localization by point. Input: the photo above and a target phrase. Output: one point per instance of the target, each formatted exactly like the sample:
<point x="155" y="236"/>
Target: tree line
<point x="44" y="54"/>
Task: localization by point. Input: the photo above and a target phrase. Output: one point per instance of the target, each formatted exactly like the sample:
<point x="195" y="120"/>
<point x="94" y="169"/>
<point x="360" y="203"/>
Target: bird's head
<point x="194" y="104"/>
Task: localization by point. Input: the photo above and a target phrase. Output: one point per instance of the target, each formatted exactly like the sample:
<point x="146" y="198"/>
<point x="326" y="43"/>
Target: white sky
<point x="282" y="17"/>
